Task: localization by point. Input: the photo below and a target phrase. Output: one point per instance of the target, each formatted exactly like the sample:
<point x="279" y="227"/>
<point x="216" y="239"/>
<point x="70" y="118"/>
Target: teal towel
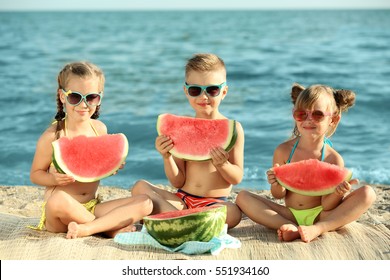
<point x="214" y="246"/>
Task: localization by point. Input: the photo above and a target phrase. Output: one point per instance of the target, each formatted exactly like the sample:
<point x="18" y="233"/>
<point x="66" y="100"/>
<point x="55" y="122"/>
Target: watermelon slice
<point x="89" y="159"/>
<point x="193" y="138"/>
<point x="311" y="177"/>
<point x="196" y="224"/>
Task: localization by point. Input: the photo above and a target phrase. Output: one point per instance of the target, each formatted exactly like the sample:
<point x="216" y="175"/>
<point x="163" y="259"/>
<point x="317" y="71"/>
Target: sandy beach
<point x="366" y="239"/>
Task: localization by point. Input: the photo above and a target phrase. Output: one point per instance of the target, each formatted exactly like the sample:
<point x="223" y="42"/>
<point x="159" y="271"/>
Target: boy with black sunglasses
<point x="202" y="183"/>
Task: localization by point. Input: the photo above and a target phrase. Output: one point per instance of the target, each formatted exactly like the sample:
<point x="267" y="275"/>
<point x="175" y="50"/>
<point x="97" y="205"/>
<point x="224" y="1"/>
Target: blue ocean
<point x="143" y="56"/>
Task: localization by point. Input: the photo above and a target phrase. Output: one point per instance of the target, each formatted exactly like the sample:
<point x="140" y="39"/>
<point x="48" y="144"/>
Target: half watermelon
<point x="311" y="177"/>
<point x="89" y="159"/>
<point x="196" y="224"/>
<point x="193" y="138"/>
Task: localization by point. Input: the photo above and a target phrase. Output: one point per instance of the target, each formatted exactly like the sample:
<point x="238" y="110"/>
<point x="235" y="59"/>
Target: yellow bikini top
<point x="93" y="128"/>
<point x="66" y="128"/>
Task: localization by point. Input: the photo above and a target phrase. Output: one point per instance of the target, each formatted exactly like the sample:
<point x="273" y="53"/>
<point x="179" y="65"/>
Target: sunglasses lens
<point x="194" y="91"/>
<point x="318" y="115"/>
<point x="74" y="98"/>
<point x="213" y="90"/>
<point x="93" y="99"/>
<point x="300" y="115"/>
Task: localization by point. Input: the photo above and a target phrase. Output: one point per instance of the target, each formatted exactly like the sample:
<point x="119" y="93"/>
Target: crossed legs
<point x="275" y="216"/>
<point x="65" y="214"/>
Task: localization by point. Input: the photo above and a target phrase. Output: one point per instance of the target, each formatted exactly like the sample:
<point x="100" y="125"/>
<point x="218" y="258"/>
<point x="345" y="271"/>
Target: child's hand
<point x="271" y="176"/>
<point x="219" y="156"/>
<point x="163" y="145"/>
<point x="345" y="187"/>
<point x="60" y="179"/>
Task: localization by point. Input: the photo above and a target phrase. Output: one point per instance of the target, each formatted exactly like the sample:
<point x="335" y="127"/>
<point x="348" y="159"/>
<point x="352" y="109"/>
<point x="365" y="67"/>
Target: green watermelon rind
<point x="227" y="146"/>
<point x="234" y="137"/>
<point x="325" y="191"/>
<point x="62" y="168"/>
<point x="201" y="226"/>
<point x="58" y="168"/>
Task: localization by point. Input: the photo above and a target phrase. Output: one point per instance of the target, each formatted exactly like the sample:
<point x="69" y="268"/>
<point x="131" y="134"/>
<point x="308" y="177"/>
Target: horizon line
<point x="199" y="9"/>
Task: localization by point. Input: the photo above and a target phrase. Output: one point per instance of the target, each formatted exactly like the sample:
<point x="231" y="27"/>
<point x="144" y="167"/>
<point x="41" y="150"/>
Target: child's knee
<point x="368" y="194"/>
<point x="58" y="202"/>
<point x="234" y="215"/>
<point x="140" y="187"/>
<point x="233" y="218"/>
<point x="242" y="197"/>
<point x="147" y="203"/>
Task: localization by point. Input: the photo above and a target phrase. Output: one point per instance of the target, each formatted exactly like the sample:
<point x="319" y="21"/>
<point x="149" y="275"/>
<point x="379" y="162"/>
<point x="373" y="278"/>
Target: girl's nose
<point x="84" y="103"/>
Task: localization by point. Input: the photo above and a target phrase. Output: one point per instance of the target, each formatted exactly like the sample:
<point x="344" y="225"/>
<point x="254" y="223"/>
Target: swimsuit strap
<point x="292" y="151"/>
<point x="326" y="142"/>
<point x="66" y="128"/>
<point x="323" y="152"/>
<point x="93" y="128"/>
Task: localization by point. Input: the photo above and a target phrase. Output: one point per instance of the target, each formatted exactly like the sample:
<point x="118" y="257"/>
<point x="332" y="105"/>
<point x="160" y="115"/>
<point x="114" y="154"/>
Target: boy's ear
<point x="225" y="91"/>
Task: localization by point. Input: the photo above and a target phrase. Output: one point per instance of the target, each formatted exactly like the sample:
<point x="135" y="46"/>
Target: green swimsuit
<point x="307" y="217"/>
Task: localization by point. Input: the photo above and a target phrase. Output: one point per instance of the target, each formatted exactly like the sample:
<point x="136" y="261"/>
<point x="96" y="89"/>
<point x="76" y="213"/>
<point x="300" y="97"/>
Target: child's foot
<point x="130" y="228"/>
<point x="75" y="230"/>
<point x="308" y="233"/>
<point x="288" y="232"/>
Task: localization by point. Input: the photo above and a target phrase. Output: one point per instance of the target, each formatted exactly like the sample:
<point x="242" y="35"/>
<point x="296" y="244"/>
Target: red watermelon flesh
<point x="89" y="159"/>
<point x="193" y="138"/>
<point x="311" y="177"/>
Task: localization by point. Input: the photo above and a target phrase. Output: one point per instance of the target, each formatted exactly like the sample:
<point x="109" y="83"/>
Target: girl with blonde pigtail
<point x="70" y="206"/>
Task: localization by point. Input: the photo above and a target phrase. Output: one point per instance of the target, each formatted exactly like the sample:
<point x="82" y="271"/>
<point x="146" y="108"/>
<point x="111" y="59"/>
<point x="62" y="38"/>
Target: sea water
<point x="143" y="56"/>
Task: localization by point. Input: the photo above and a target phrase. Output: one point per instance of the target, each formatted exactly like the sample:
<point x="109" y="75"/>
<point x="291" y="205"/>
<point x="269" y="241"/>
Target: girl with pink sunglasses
<point x="317" y="113"/>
